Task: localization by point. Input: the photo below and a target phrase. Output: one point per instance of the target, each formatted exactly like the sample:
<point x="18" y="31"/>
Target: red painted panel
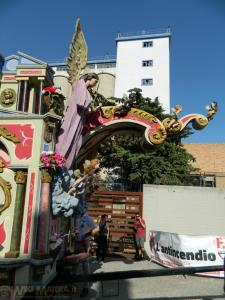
<point x="25" y="134"/>
<point x="2" y="233"/>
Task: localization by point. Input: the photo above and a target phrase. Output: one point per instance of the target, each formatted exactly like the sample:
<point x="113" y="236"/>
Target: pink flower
<point x="52" y="159"/>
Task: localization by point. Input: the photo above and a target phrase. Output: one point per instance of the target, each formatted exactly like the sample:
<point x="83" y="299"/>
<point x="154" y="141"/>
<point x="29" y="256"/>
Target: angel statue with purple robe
<point x="70" y="134"/>
<point x="69" y="138"/>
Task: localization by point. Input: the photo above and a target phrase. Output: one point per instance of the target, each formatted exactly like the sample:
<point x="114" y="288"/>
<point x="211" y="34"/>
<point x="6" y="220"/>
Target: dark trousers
<point x="102" y="245"/>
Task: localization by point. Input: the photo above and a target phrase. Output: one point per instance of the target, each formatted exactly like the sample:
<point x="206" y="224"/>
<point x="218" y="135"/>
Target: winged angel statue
<point x="69" y="138"/>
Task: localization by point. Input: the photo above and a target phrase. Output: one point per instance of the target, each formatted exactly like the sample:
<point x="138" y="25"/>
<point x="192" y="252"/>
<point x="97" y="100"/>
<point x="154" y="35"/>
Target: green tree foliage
<point x="139" y="163"/>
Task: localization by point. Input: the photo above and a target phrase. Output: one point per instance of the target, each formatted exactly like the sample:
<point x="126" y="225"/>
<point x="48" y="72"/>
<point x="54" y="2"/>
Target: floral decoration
<point x="52" y="160"/>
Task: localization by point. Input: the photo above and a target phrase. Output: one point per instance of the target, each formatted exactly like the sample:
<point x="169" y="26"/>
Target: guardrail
<point x="144" y="32"/>
<point x="143" y="273"/>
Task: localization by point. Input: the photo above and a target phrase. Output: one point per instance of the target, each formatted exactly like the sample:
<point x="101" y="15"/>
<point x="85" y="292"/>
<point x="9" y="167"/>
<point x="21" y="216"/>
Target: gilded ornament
<point x="46" y="176"/>
<point x="158" y="137"/>
<point x="200" y="122"/>
<point x="6" y="187"/>
<point x="175" y="127"/>
<point x="8" y="135"/>
<point x="108" y="111"/>
<point x="48" y="133"/>
<point x="143" y="115"/>
<point x="2" y="165"/>
<point x="21" y="177"/>
<point x="211" y="110"/>
<point x="8" y="97"/>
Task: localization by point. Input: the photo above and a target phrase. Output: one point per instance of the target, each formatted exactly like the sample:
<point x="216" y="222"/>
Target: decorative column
<point x="18" y="95"/>
<point x="24" y="95"/>
<point x="21" y="94"/>
<point x="21" y="180"/>
<point x="40" y="94"/>
<point x="43" y="238"/>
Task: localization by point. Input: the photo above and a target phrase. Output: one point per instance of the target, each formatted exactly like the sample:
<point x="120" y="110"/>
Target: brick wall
<point x="210" y="159"/>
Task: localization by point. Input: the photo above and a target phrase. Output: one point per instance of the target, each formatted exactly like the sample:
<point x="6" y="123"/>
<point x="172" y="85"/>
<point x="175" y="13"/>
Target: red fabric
<point x="51" y="89"/>
<point x="140" y="231"/>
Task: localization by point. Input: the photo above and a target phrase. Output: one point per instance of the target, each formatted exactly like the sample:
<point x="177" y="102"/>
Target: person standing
<point x="102" y="238"/>
<point x="85" y="227"/>
<point x="139" y="229"/>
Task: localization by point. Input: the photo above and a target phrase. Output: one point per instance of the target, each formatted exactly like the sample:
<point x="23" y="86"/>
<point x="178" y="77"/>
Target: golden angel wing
<point x="78" y="54"/>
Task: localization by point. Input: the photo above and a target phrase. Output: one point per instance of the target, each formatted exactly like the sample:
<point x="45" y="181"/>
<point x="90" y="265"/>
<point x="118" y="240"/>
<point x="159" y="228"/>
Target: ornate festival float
<point x="39" y="148"/>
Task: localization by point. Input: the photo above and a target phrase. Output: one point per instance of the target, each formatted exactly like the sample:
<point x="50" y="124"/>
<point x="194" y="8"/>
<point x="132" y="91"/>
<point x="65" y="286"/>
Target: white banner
<point x="174" y="250"/>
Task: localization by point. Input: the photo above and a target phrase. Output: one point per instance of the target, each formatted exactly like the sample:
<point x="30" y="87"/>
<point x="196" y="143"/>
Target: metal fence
<point x="144" y="32"/>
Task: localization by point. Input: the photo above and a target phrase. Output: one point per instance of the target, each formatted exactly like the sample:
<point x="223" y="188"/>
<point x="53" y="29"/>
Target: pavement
<point x="177" y="287"/>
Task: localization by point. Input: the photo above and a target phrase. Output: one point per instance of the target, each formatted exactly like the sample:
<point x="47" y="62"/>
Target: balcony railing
<point x="144" y="33"/>
<point x="103" y="58"/>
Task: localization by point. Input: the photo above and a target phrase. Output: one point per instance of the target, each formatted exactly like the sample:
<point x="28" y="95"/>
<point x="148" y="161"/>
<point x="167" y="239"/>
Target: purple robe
<point x="70" y="135"/>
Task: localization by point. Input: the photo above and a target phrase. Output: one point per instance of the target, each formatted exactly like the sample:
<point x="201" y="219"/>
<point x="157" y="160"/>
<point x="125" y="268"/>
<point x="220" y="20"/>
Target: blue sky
<point x="44" y="28"/>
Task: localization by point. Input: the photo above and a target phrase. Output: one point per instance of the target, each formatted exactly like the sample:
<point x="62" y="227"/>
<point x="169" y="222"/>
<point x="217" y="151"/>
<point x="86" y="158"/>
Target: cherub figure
<point x="69" y="189"/>
<point x="175" y="114"/>
<point x="8" y="96"/>
<point x="212" y="109"/>
<point x="83" y="184"/>
<point x="63" y="201"/>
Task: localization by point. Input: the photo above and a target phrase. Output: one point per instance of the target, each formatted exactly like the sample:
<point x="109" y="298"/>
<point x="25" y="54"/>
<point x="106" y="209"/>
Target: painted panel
<point x="25" y="133"/>
<point x="31" y="72"/>
<point x="9" y="78"/>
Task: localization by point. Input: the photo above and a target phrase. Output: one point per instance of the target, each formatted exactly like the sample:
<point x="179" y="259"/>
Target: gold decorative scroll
<point x="6" y="187"/>
<point x="158" y="137"/>
<point x="108" y="111"/>
<point x="8" y="135"/>
<point x="2" y="165"/>
<point x="199" y="122"/>
<point x="143" y="115"/>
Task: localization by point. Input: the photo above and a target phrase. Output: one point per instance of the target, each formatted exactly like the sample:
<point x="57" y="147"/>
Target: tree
<point x="139" y="163"/>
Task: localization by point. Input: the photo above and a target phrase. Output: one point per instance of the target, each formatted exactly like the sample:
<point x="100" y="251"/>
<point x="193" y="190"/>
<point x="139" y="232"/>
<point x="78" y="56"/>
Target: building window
<point x="147" y="63"/>
<point x="147" y="44"/>
<point x="147" y="81"/>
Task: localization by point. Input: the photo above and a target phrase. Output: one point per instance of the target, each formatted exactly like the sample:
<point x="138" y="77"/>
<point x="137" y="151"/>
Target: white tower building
<point x="143" y="62"/>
